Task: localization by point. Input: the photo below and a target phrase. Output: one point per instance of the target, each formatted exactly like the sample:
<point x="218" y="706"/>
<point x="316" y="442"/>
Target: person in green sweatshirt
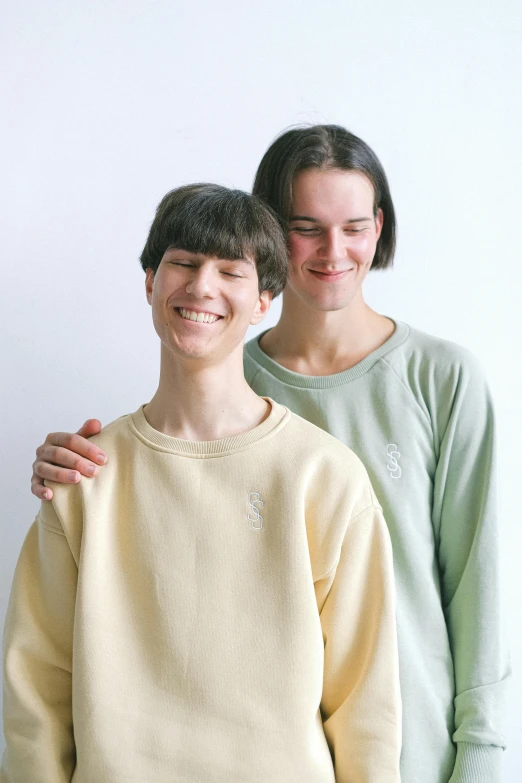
<point x="219" y="604"/>
<point x="418" y="413"/>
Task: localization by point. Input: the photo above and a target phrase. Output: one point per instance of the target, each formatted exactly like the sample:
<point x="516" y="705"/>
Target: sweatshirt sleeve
<point x="38" y="641"/>
<point x="361" y="704"/>
<point x="465" y="515"/>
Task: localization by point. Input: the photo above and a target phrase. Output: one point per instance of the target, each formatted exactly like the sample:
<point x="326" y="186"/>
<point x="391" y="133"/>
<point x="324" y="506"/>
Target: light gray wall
<point x="107" y="105"/>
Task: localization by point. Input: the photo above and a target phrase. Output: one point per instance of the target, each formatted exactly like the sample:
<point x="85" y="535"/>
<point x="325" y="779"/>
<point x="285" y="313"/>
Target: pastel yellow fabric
<point x="220" y="611"/>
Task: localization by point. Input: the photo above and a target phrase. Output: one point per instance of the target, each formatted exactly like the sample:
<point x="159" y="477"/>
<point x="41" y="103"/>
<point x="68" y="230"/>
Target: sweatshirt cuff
<point x="477" y="763"/>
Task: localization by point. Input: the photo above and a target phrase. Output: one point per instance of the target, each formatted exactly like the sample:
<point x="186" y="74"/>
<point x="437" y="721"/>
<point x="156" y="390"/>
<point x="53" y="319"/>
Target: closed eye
<point x="195" y="266"/>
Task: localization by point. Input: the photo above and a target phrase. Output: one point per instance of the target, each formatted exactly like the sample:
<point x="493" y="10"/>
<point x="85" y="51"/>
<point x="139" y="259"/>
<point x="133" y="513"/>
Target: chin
<point x="189" y="351"/>
<point x="329" y="304"/>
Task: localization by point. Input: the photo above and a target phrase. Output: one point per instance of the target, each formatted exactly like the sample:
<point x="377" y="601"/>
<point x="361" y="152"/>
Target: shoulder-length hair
<point x="325" y="147"/>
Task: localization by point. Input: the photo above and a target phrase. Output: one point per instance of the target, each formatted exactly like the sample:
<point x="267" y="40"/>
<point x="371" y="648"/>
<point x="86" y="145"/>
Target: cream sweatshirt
<point x="204" y="612"/>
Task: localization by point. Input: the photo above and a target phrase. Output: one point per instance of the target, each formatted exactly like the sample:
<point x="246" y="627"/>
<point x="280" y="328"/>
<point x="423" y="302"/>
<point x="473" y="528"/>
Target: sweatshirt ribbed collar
<point x="277" y="418"/>
<point x="291" y="378"/>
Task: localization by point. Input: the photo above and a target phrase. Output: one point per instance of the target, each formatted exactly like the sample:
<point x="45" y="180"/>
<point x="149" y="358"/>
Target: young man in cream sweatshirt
<point x="219" y="604"/>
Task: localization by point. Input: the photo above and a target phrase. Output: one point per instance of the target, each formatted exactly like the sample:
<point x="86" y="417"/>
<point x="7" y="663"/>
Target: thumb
<point x="91" y="427"/>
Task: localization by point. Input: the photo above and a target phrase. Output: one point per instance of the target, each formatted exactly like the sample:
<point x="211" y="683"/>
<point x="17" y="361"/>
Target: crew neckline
<point x="201" y="449"/>
<point x="292" y="378"/>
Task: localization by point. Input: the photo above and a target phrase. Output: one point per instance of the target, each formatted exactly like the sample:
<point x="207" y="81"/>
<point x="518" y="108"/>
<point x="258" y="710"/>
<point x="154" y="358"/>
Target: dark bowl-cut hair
<point x="325" y="147"/>
<point x="222" y="223"/>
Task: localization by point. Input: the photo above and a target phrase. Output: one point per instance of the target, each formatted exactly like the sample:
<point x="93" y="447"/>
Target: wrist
<point x="477" y="763"/>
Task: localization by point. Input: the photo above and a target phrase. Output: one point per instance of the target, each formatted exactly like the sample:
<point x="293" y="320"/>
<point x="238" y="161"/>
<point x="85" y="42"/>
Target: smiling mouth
<point x="330" y="276"/>
<point x="199" y="317"/>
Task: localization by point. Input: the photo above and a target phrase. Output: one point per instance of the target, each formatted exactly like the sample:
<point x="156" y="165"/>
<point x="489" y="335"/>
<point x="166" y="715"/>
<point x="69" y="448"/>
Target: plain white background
<point x="107" y="105"/>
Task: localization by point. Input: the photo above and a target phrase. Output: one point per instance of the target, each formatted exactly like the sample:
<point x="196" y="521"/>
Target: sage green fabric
<point x="418" y="413"/>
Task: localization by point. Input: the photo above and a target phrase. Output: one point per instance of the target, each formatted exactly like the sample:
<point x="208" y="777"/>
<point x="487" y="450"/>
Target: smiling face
<point x="332" y="236"/>
<point x="202" y="306"/>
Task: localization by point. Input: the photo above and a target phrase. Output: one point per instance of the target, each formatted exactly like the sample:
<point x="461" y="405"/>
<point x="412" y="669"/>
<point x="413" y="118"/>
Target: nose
<point x="334" y="245"/>
<point x="201" y="283"/>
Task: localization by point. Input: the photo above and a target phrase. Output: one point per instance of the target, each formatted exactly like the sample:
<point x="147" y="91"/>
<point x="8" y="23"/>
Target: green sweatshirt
<point x="418" y="413"/>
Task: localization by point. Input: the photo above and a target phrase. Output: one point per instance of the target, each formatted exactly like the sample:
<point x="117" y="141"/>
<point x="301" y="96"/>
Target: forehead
<point x="332" y="194"/>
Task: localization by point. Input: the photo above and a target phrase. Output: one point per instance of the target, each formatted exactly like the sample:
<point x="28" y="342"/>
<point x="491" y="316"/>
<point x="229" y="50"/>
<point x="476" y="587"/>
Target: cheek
<point x="298" y="249"/>
<point x="242" y="298"/>
<point x="363" y="249"/>
<point x="159" y="319"/>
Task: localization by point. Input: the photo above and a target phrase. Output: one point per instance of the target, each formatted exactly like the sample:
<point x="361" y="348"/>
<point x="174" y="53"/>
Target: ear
<point x="379" y="220"/>
<point x="149" y="283"/>
<point x="262" y="307"/>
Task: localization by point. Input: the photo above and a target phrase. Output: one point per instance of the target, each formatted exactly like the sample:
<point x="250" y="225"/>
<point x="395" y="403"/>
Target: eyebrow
<point x="239" y="261"/>
<point x="314" y="220"/>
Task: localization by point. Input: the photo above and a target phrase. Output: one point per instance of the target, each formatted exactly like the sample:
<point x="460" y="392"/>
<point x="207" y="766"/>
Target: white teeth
<point x="206" y="318"/>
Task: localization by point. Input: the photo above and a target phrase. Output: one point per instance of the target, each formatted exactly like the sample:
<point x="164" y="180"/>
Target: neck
<point x="199" y="401"/>
<point x="317" y="342"/>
